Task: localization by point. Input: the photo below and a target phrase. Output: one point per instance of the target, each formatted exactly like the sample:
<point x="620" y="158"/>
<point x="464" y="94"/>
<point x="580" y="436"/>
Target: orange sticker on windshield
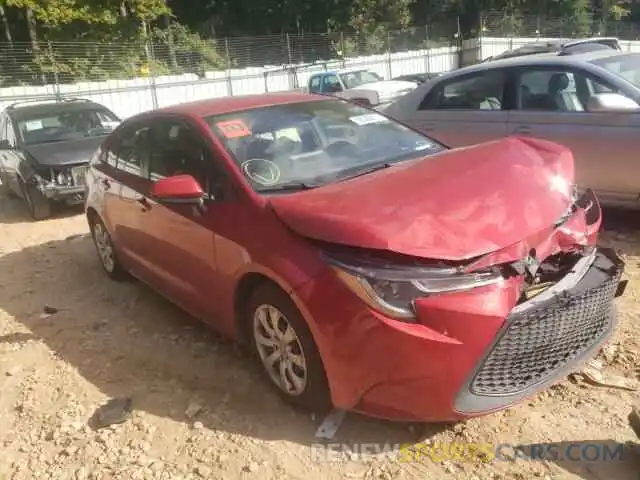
<point x="234" y="129"/>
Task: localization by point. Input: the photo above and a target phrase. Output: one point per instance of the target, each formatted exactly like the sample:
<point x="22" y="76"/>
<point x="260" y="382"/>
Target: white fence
<point x="128" y="97"/>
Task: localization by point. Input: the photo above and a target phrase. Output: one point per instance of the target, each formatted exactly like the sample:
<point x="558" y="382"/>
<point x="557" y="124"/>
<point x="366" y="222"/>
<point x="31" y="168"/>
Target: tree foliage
<point x="82" y="40"/>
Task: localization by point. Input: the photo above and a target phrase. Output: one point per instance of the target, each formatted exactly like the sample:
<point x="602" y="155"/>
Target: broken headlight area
<point x="548" y="273"/>
<point x="60" y="177"/>
<point x="392" y="289"/>
<point x="586" y="201"/>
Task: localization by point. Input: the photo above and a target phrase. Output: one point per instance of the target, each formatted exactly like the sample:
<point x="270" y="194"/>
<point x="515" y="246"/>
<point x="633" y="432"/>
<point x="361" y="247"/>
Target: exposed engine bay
<point x="54" y="181"/>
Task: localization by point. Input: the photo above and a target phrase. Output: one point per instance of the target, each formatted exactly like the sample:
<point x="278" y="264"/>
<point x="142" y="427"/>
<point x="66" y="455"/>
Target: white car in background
<point x="360" y="85"/>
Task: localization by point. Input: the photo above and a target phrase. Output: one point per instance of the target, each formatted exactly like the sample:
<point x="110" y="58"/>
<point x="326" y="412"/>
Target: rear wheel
<point x="105" y="250"/>
<point x="39" y="206"/>
<point x="286" y="349"/>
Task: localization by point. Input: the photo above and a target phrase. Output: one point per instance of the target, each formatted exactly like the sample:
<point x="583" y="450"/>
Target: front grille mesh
<point x="538" y="342"/>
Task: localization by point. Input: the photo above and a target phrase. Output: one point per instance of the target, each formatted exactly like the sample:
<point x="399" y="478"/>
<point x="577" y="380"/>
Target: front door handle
<point x="106" y="184"/>
<point x="144" y="203"/>
<point x="523" y="129"/>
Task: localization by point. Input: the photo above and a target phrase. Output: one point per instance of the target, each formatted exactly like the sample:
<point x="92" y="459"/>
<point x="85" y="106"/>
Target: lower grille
<point x="78" y="174"/>
<point x="536" y="343"/>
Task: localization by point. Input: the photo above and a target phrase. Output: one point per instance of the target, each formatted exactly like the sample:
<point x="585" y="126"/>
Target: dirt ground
<point x="112" y="340"/>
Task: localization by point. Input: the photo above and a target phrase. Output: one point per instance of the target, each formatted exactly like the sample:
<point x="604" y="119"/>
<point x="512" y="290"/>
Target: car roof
<point x="36" y="109"/>
<point x="222" y="105"/>
<point x="343" y="70"/>
<point x="540" y="59"/>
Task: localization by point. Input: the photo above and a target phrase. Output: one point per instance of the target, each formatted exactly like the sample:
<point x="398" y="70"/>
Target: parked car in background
<point x="356" y="257"/>
<point x="418" y="77"/>
<point x="589" y="102"/>
<point x="45" y="147"/>
<point x="359" y="85"/>
<point x="560" y="46"/>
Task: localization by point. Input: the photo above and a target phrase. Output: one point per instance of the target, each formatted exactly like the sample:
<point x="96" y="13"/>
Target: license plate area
<point x="78" y="175"/>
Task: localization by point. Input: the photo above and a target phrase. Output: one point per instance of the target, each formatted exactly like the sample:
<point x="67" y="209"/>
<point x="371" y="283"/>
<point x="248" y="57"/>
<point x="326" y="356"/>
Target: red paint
<point x="176" y="187"/>
<point x="457" y="205"/>
<point x="496" y="199"/>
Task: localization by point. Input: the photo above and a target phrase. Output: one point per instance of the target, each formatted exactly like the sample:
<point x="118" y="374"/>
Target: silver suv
<point x="587" y="101"/>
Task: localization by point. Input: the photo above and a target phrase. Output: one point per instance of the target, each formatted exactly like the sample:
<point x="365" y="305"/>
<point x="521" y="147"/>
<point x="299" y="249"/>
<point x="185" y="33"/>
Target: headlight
<point x="387" y="97"/>
<point x="393" y="290"/>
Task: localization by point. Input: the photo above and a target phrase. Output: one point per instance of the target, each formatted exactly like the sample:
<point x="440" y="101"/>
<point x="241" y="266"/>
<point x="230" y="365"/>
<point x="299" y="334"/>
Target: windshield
<point x="355" y="79"/>
<point x="626" y="66"/>
<point x="62" y="125"/>
<point x="308" y="144"/>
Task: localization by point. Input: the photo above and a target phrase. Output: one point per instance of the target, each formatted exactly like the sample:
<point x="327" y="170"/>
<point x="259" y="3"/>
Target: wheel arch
<point x="246" y="285"/>
<point x="91" y="214"/>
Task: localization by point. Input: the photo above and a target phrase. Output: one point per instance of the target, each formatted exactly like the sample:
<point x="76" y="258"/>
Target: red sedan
<point x="366" y="266"/>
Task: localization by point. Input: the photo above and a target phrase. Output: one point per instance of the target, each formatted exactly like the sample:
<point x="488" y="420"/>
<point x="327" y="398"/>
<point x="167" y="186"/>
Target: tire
<point x="38" y="205"/>
<point x="105" y="250"/>
<point x="312" y="391"/>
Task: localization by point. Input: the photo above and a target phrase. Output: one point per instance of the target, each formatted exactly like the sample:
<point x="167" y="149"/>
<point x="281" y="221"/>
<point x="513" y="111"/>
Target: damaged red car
<point x="366" y="266"/>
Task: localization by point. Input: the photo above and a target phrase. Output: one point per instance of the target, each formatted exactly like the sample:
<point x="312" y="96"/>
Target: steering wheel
<point x="339" y="147"/>
<point x="261" y="171"/>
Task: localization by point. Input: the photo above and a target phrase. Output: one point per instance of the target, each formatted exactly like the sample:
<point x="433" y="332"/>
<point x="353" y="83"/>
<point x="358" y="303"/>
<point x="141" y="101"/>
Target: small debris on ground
<point x="193" y="409"/>
<point x="13" y="371"/>
<point x="115" y="411"/>
<point x="47" y="311"/>
<point x="592" y="373"/>
<point x="330" y="424"/>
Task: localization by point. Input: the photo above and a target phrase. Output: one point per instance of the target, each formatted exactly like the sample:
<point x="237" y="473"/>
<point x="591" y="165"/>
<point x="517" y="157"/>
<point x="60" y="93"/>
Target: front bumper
<point x="71" y="191"/>
<point x="543" y="339"/>
<point x="472" y="352"/>
<point x="68" y="194"/>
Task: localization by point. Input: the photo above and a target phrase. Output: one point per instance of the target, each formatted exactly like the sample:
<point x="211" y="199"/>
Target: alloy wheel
<point x="104" y="247"/>
<point x="280" y="350"/>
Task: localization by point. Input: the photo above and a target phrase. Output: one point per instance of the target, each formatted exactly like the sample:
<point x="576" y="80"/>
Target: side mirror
<point x="5" y="145"/>
<point x="611" y="103"/>
<point x="179" y="189"/>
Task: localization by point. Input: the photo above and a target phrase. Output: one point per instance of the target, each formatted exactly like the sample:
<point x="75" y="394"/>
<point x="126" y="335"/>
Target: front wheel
<point x="39" y="206"/>
<point x="289" y="356"/>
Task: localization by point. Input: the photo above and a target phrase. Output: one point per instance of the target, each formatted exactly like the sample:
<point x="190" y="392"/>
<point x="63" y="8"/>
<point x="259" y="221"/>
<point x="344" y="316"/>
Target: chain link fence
<point x="524" y="25"/>
<point x="174" y="53"/>
<point x="173" y="65"/>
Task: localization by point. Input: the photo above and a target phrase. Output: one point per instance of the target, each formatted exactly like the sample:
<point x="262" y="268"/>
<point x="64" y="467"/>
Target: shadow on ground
<point x="588" y="459"/>
<point x="128" y="341"/>
<point x="14" y="210"/>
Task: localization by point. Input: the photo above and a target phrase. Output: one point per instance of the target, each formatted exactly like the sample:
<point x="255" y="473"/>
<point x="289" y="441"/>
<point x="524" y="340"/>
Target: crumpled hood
<point x="64" y="153"/>
<point x="455" y="205"/>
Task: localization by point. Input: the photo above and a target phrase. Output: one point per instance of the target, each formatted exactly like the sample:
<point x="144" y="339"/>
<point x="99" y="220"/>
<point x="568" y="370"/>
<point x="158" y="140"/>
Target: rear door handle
<point x="144" y="203"/>
<point x="429" y="127"/>
<point x="522" y="129"/>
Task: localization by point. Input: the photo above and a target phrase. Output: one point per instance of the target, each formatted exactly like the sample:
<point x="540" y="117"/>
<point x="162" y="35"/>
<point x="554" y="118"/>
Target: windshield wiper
<point x="292" y="186"/>
<point x="366" y="171"/>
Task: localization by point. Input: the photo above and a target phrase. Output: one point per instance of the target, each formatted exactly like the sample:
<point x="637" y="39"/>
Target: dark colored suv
<point x="45" y="148"/>
<point x="560" y="47"/>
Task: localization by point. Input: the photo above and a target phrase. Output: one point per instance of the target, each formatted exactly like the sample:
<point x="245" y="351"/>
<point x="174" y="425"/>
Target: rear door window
<point x="130" y="150"/>
<point x="314" y="85"/>
<point x="330" y="83"/>
<point x="478" y="91"/>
